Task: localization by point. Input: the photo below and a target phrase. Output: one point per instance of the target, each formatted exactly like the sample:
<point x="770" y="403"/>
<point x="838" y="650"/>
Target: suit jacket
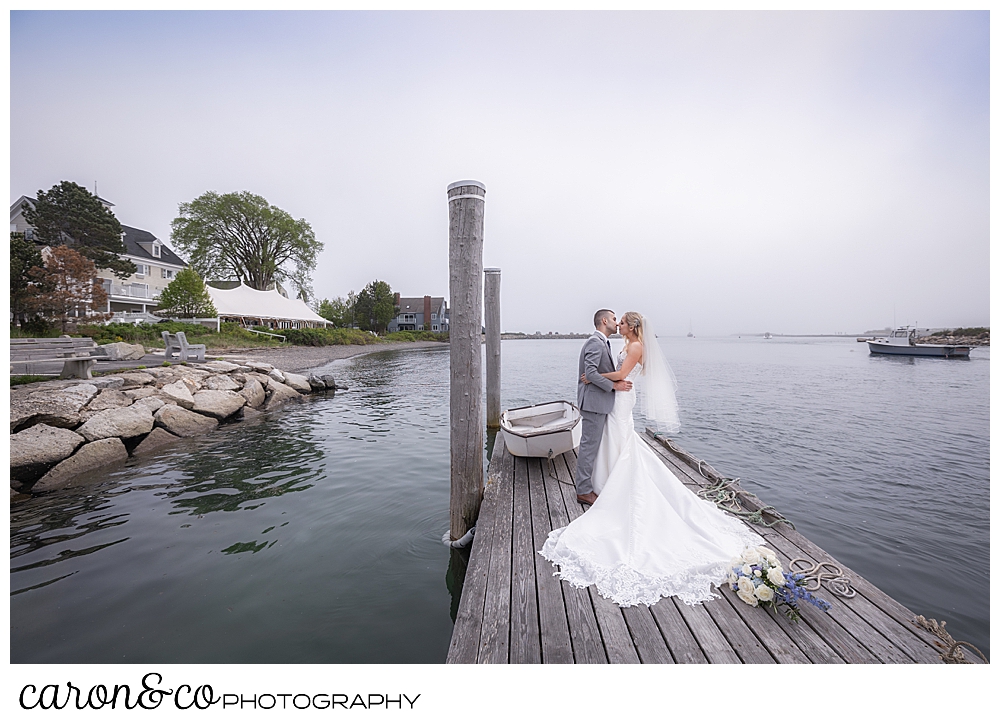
<point x="599" y="395"/>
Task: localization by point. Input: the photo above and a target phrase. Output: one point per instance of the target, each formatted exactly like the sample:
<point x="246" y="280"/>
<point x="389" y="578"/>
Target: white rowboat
<point x="542" y="431"/>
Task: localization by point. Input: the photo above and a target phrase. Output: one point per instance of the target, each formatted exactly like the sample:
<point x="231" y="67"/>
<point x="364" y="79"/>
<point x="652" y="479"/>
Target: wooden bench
<point x="77" y="354"/>
<point x="178" y="344"/>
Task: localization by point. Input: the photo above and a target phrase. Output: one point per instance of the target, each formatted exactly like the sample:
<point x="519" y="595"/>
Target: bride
<point x="646" y="536"/>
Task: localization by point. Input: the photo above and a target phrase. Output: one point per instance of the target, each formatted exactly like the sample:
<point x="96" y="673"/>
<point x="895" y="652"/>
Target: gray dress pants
<point x="590" y="441"/>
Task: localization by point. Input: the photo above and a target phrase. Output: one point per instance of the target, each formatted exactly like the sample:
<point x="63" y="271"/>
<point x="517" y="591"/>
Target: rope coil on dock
<point x="816" y="573"/>
<point x="954" y="654"/>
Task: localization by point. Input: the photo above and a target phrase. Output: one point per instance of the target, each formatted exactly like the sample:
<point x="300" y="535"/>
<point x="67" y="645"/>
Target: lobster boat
<point x="903" y="341"/>
<point x="542" y="431"/>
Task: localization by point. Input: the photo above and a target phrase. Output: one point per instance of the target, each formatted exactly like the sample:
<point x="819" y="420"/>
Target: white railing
<point x="269" y="334"/>
<point x="133" y="291"/>
<point x="135" y="317"/>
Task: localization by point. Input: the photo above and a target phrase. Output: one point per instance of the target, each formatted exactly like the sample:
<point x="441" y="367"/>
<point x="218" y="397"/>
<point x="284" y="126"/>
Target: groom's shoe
<point x="587" y="498"/>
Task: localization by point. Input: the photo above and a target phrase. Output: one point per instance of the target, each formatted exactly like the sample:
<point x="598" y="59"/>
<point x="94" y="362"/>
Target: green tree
<point x="375" y="306"/>
<point x="68" y="214"/>
<point x="24" y="255"/>
<point x="339" y="311"/>
<point x="240" y="236"/>
<point x="186" y="296"/>
<point x="68" y="288"/>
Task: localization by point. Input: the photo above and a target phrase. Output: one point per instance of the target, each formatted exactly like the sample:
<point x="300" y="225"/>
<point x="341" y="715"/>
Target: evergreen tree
<point x="68" y="214"/>
<point x="375" y="306"/>
<point x="186" y="296"/>
<point x="24" y="255"/>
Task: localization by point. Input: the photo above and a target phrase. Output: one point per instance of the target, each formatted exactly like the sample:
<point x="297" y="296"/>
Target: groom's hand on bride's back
<point x="623" y="386"/>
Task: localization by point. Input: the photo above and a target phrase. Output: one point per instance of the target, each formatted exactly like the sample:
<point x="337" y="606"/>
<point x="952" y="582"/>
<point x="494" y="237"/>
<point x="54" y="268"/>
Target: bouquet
<point x="757" y="577"/>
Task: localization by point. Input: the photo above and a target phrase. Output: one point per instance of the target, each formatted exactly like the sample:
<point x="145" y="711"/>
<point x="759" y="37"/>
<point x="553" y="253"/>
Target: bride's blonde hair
<point x="634" y="322"/>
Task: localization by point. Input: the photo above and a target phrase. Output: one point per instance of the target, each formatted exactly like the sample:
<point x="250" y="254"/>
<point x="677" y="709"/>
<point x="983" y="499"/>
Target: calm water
<point x="314" y="535"/>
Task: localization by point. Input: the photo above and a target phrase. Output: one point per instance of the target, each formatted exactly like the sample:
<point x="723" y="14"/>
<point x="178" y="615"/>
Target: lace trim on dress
<point x="628" y="587"/>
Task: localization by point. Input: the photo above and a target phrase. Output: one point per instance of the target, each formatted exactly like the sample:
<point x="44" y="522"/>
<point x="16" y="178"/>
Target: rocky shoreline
<point x="63" y="428"/>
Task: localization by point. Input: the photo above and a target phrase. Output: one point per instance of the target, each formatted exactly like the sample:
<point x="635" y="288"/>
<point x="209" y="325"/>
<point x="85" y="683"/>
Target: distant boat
<point x="690" y="333"/>
<point x="903" y="341"/>
<point x="768" y="335"/>
<point x="542" y="431"/>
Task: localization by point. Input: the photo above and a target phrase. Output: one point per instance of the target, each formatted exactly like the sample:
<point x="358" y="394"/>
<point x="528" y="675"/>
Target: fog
<point x="726" y="172"/>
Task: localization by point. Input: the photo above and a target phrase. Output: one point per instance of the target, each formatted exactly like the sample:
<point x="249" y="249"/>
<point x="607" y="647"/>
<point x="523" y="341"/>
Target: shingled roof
<point x="134" y="236"/>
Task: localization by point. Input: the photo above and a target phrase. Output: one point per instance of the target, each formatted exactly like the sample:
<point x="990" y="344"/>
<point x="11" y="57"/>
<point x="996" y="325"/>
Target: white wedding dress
<point x="647" y="536"/>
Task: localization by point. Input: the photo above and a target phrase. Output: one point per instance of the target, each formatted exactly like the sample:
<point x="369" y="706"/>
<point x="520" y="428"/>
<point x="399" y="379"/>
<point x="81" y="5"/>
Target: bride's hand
<point x="583" y="379"/>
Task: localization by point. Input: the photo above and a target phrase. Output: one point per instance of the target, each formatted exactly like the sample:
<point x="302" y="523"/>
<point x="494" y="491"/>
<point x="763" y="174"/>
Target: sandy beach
<point x="303" y="359"/>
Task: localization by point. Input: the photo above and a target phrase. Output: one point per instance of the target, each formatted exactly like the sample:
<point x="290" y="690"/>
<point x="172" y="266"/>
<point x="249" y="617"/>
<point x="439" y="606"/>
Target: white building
<point x="156" y="264"/>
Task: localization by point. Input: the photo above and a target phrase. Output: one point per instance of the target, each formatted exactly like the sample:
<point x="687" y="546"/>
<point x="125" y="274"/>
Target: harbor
<point x="514" y="610"/>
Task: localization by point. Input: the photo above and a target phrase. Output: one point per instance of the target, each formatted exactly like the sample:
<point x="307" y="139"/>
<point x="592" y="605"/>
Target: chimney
<point x="395" y="299"/>
<point x="427" y="312"/>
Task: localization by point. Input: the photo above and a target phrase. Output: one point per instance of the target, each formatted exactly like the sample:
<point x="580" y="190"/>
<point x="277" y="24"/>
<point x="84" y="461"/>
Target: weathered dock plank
<point x="514" y="609"/>
<point x="584" y="633"/>
<point x="525" y="642"/>
<point x="552" y="624"/>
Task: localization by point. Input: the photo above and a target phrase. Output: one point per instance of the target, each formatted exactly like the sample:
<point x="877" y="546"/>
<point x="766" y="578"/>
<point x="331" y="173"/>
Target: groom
<point x="595" y="399"/>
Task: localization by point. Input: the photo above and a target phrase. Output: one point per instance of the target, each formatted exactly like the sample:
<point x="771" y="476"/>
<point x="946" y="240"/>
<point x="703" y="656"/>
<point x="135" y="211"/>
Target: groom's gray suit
<point x="595" y="401"/>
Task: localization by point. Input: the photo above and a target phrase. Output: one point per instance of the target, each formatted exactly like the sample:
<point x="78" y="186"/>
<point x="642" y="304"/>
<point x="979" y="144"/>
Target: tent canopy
<point x="244" y="301"/>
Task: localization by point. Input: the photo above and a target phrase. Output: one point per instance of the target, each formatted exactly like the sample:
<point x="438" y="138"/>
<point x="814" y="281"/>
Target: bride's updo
<point x="634" y="322"/>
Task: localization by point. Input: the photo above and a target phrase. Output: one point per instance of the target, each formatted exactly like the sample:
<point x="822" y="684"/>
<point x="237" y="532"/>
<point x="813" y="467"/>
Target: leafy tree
<point x="339" y="311"/>
<point x="68" y="288"/>
<point x="70" y="215"/>
<point x="24" y="255"/>
<point x="186" y="296"/>
<point x="240" y="236"/>
<point x="375" y="306"/>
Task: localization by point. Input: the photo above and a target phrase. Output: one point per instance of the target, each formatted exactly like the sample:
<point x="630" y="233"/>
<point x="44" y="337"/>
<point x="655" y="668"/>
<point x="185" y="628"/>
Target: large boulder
<point x="315" y="382"/>
<point x="221" y="382"/>
<point x="153" y="403"/>
<point x="91" y="456"/>
<point x="220" y="404"/>
<point x="221" y="366"/>
<point x="137" y="379"/>
<point x="277" y="375"/>
<point x="122" y="351"/>
<point x="155" y="440"/>
<point x="108" y="383"/>
<point x="120" y="422"/>
<point x="36" y="449"/>
<point x="54" y="407"/>
<point x="141" y="392"/>
<point x="279" y="394"/>
<point x="329" y="381"/>
<point x="299" y="383"/>
<point x="178" y="393"/>
<point x="253" y="392"/>
<point x="184" y="423"/>
<point x="108" y="400"/>
<point x="260" y="367"/>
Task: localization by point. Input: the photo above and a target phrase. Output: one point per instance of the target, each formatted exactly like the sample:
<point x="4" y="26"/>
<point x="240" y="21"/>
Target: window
<point x="434" y="316"/>
<point x="434" y="328"/>
<point x="156" y="250"/>
<point x="142" y="270"/>
<point x="167" y="273"/>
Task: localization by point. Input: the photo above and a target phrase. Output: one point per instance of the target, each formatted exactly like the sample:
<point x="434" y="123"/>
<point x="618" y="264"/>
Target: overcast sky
<point x="736" y="172"/>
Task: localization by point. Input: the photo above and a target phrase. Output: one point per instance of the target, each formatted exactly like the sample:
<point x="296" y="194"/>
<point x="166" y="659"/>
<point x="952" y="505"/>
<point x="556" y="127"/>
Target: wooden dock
<point x="514" y="610"/>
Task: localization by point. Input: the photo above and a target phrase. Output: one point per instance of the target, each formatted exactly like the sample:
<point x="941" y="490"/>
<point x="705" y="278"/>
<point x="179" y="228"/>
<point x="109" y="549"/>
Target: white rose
<point x="751" y="556"/>
<point x="732" y="577"/>
<point x="764" y="593"/>
<point x="776" y="577"/>
<point x="747" y="570"/>
<point x="766" y="552"/>
<point x="745" y="585"/>
<point x="736" y="562"/>
<point x="773" y="560"/>
<point x="747" y="597"/>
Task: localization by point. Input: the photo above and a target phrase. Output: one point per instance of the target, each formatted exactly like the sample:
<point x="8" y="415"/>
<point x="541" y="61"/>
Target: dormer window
<point x="156" y="250"/>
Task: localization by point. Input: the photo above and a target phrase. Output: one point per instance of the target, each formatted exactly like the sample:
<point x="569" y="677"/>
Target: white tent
<point x="249" y="303"/>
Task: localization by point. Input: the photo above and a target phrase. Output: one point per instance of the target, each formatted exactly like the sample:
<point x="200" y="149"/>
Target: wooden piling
<point x="491" y="299"/>
<point x="466" y="207"/>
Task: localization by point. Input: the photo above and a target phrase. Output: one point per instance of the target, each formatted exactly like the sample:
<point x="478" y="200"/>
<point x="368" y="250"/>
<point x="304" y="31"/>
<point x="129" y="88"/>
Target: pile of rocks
<point x="62" y="428"/>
